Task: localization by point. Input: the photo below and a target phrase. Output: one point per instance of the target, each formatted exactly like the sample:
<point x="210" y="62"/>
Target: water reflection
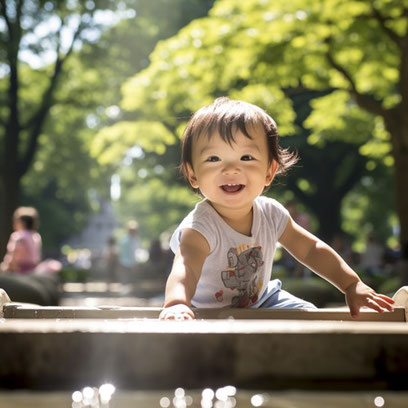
<point x="164" y="402"/>
<point x="93" y="397"/>
<point x="257" y="400"/>
<point x="229" y="397"/>
<point x="379" y="401"/>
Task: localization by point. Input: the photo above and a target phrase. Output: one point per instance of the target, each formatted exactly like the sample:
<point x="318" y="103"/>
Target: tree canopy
<point x="61" y="66"/>
<point x="267" y="52"/>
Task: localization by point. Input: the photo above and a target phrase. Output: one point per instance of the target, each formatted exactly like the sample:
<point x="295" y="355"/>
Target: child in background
<point x="128" y="245"/>
<point x="25" y="245"/>
<point x="225" y="247"/>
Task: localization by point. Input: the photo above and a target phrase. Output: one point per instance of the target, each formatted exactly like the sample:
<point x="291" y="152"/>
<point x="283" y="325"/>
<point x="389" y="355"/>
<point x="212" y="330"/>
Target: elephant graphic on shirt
<point x="244" y="275"/>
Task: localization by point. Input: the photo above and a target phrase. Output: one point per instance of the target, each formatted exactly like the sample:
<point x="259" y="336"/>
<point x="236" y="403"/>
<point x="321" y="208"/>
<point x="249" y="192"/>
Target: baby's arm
<point x="324" y="260"/>
<point x="184" y="276"/>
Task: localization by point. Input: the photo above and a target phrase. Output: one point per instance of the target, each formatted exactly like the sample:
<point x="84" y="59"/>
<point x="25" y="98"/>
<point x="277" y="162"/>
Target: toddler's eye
<point x="247" y="157"/>
<point x="213" y="159"/>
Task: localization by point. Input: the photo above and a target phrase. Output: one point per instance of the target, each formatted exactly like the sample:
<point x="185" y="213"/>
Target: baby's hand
<point x="177" y="312"/>
<point x="359" y="295"/>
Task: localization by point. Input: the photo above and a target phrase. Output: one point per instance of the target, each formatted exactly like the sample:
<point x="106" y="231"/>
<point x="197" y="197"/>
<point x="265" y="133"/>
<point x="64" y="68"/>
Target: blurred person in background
<point x="25" y="245"/>
<point x="341" y="245"/>
<point x="297" y="269"/>
<point x="111" y="260"/>
<point x="160" y="258"/>
<point x="128" y="245"/>
<point x="27" y="278"/>
<point x="372" y="259"/>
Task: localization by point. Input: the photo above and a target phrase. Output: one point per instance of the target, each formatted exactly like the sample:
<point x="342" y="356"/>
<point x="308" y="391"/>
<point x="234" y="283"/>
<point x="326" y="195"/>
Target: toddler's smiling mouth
<point x="232" y="188"/>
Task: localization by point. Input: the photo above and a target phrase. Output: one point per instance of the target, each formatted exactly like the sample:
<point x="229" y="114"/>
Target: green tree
<point x="37" y="40"/>
<point x="50" y="108"/>
<point x="62" y="171"/>
<point x="261" y="50"/>
<point x="321" y="192"/>
<point x="123" y="51"/>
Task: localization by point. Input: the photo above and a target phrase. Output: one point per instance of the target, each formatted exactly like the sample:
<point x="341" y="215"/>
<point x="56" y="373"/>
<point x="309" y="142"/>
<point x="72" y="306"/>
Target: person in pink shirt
<point x="22" y="273"/>
<point x="24" y="246"/>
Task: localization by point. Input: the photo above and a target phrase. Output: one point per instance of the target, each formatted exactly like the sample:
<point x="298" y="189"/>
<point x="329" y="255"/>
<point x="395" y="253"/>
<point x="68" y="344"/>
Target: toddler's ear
<point x="191" y="176"/>
<point x="272" y="170"/>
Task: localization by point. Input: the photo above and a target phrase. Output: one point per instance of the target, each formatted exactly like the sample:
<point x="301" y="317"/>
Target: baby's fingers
<point x="354" y="311"/>
<point x="387" y="299"/>
<point x="163" y="315"/>
<point x="167" y="315"/>
<point x="372" y="304"/>
<point x="175" y="316"/>
<point x="378" y="304"/>
<point x="183" y="316"/>
<point x="384" y="302"/>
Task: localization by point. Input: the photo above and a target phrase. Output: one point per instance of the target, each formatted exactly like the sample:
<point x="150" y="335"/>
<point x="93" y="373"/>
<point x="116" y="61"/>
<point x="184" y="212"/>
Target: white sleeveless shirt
<point x="238" y="268"/>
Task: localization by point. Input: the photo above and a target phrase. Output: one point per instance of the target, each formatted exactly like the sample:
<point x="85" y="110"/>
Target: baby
<point x="225" y="247"/>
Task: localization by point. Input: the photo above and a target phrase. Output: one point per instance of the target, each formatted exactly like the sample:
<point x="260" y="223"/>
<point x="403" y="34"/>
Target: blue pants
<point x="276" y="298"/>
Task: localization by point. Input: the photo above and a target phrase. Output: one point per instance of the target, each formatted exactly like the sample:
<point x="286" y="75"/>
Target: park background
<point x="94" y="96"/>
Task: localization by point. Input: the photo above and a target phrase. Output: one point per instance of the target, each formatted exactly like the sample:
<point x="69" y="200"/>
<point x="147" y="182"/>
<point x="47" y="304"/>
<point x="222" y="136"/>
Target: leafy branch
<point x="365" y="101"/>
<point x="37" y="120"/>
<point x="382" y="20"/>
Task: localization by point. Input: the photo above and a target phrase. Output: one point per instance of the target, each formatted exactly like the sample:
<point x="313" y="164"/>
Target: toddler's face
<point x="18" y="225"/>
<point x="231" y="176"/>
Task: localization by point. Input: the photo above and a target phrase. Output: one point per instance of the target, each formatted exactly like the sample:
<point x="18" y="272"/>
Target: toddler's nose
<point x="231" y="168"/>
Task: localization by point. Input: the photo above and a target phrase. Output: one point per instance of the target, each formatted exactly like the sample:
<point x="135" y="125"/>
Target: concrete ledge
<point x="19" y="311"/>
<point x="149" y="354"/>
<point x="232" y="326"/>
<point x="67" y="348"/>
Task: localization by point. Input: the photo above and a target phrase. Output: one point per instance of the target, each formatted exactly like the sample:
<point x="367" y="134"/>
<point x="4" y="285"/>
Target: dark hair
<point x="226" y="116"/>
<point x="28" y="216"/>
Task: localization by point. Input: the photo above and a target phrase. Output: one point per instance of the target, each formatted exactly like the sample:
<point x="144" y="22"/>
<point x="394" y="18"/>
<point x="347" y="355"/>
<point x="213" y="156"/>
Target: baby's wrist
<point x="352" y="285"/>
<point x="174" y="302"/>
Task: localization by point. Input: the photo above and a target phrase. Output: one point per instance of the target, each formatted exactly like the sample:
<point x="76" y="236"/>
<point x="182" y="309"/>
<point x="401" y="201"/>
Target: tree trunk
<point x="401" y="184"/>
<point x="10" y="172"/>
<point x="398" y="127"/>
<point x="3" y="225"/>
<point x="9" y="202"/>
<point x="328" y="208"/>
